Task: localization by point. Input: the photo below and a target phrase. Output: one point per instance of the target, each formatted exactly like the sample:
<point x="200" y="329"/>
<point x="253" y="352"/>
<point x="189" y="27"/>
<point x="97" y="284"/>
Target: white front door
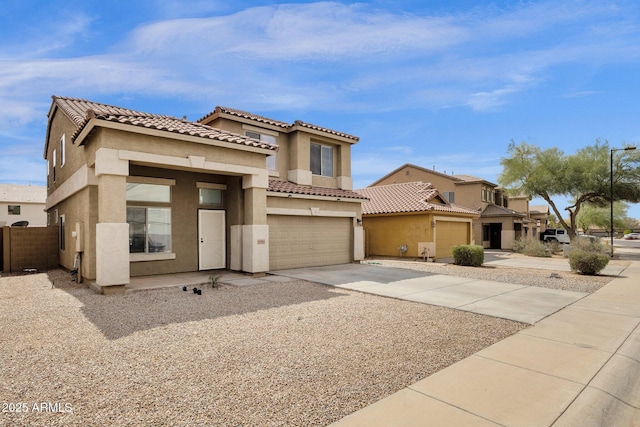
<point x="211" y="239"/>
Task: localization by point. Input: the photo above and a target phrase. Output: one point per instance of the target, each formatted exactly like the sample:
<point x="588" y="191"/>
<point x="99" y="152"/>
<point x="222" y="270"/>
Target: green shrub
<point x="531" y="247"/>
<point x="589" y="263"/>
<point x="470" y="255"/>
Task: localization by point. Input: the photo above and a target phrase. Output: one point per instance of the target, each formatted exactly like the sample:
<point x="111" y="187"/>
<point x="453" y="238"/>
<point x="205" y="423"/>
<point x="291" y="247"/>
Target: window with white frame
<point x="61" y="230"/>
<point x="321" y="160"/>
<point x="53" y="169"/>
<point x="268" y="139"/>
<point x="63" y="151"/>
<point x="149" y="217"/>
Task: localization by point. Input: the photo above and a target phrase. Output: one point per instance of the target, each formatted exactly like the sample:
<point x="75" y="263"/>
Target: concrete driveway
<point x="527" y="304"/>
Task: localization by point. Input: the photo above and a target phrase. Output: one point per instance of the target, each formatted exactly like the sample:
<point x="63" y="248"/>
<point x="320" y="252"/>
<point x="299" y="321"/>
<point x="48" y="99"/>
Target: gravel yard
<point x="292" y="353"/>
<point x="564" y="280"/>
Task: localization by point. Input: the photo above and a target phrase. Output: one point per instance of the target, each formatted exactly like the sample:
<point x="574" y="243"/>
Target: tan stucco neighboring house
<point x="136" y="193"/>
<point x="499" y="224"/>
<point x="540" y="214"/>
<point x="20" y="203"/>
<point x="415" y="216"/>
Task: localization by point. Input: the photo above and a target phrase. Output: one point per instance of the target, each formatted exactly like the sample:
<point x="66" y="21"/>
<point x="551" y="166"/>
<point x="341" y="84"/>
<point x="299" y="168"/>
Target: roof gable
<point x="495" y="210"/>
<point x="417" y="168"/>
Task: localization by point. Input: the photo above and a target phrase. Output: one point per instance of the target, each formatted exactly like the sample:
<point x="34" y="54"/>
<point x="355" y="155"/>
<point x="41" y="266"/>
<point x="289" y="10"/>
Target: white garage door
<point x="304" y="241"/>
<point x="448" y="235"/>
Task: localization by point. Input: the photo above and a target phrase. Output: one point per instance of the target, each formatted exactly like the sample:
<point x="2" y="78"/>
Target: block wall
<point x="29" y="247"/>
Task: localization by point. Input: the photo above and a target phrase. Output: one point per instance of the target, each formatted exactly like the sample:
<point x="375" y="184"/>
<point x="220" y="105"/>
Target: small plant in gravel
<point x="531" y="247"/>
<point x="589" y="263"/>
<point x="468" y="255"/>
<point x="214" y="281"/>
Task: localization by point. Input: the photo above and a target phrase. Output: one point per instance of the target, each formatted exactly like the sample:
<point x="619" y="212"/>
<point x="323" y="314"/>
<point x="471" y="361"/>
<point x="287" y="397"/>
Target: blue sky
<point x="444" y="84"/>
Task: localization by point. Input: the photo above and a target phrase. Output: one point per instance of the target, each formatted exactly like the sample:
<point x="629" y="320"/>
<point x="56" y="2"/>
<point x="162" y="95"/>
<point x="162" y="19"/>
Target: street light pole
<point x="611" y="190"/>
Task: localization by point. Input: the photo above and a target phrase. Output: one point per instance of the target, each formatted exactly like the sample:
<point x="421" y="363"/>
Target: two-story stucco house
<point x="136" y="193"/>
<point x="499" y="224"/>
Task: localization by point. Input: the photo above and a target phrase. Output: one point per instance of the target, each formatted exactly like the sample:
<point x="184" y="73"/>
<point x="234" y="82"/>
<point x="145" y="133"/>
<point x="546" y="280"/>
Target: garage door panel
<point x="448" y="235"/>
<point x="296" y="242"/>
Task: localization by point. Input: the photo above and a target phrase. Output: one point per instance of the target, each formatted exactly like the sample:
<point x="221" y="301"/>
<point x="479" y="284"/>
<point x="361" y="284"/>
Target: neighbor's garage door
<point x="304" y="241"/>
<point x="448" y="235"/>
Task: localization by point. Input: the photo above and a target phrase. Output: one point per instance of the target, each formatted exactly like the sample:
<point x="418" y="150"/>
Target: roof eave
<point x="94" y="123"/>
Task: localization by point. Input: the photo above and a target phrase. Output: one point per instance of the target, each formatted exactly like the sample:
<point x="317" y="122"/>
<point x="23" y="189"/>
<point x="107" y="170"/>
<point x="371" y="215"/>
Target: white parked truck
<point x="555" y="235"/>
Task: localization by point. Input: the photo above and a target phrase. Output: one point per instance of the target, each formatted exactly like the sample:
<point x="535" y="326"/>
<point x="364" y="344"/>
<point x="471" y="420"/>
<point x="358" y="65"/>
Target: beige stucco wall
<point x="470" y="196"/>
<point x="519" y="204"/>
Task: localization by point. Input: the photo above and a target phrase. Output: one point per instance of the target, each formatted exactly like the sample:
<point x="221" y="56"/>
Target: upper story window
<point x="13" y="210"/>
<point x="449" y="196"/>
<point x="321" y="160"/>
<point x="53" y="169"/>
<point x="484" y="194"/>
<point x="63" y="151"/>
<point x="269" y="139"/>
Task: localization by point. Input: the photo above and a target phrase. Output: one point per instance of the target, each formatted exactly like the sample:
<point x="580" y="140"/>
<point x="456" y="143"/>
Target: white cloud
<point x="330" y="56"/>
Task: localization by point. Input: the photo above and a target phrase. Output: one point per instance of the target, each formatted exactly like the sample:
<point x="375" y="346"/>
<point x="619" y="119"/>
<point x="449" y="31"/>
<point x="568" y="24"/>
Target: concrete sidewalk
<point x="526" y="304"/>
<point x="578" y="367"/>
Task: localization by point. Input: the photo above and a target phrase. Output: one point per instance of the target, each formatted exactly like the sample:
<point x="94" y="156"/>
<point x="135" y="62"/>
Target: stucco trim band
<point x="312" y="197"/>
<point x="185" y="163"/>
<point x="82" y="178"/>
<point x="310" y="212"/>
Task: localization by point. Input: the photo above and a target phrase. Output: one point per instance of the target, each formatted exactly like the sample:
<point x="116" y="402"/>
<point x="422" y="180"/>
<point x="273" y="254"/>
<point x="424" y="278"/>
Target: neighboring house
<point x="137" y="193"/>
<point x="540" y="214"/>
<point x="19" y="203"/>
<point x="415" y="216"/>
<point x="499" y="224"/>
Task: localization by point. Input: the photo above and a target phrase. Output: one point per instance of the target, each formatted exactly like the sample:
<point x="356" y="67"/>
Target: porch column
<point x="255" y="231"/>
<point x="112" y="230"/>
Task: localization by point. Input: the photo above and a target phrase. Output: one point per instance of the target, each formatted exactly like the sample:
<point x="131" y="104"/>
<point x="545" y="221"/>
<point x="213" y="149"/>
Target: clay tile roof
<point x="291" y="188"/>
<point x="541" y="209"/>
<point x="323" y="129"/>
<point x="246" y="115"/>
<point x="495" y="210"/>
<point x="407" y="197"/>
<point x="298" y="123"/>
<point x="82" y="111"/>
